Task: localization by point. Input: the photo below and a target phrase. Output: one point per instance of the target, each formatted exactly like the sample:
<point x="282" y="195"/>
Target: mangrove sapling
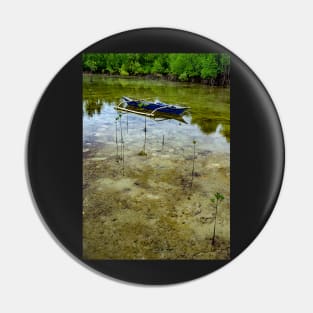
<point x="121" y="134"/>
<point x="122" y="144"/>
<point x="123" y="157"/>
<point x="145" y="130"/>
<point x="163" y="143"/>
<point x="116" y="142"/>
<point x="143" y="152"/>
<point x="216" y="200"/>
<point x="193" y="162"/>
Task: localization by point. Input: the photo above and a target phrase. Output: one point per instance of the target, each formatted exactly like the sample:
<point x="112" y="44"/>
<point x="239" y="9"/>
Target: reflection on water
<point x="208" y="120"/>
<point x="92" y="106"/>
<point x="140" y="131"/>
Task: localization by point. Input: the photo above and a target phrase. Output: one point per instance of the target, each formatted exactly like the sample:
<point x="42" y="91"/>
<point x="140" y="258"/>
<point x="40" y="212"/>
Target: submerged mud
<point x="153" y="212"/>
<point x="141" y="197"/>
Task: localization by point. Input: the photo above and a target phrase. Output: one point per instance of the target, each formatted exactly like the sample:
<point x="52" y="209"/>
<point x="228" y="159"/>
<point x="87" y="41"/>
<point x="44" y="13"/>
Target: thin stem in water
<point x="215" y="217"/>
<point x="193" y="162"/>
<point x="122" y="139"/>
<point x="163" y="143"/>
<point x="123" y="159"/>
<point x="145" y="130"/>
<point x="116" y="140"/>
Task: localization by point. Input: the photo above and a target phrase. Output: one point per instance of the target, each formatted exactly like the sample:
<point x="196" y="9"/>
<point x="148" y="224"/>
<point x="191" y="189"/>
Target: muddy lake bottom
<point x="143" y="205"/>
<point x="149" y="210"/>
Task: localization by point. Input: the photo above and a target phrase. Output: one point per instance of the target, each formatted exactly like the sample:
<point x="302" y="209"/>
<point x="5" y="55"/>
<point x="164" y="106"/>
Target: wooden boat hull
<point x="156" y="107"/>
<point x="157" y="116"/>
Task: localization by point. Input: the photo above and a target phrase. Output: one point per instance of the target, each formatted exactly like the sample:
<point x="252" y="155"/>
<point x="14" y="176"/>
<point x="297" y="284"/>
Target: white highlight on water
<point x="218" y="129"/>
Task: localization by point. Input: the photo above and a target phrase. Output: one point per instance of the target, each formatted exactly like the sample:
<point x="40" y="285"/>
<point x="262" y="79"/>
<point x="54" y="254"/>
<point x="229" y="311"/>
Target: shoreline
<point x="171" y="78"/>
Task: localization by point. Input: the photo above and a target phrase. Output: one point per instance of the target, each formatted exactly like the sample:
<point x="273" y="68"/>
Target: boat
<point x="154" y="107"/>
<point x="158" y="117"/>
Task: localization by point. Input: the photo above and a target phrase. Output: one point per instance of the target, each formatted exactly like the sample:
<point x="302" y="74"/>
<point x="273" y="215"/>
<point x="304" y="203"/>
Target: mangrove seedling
<point x="216" y="201"/>
<point x="143" y="152"/>
<point x="193" y="162"/>
<point x="122" y="158"/>
<point x="163" y="143"/>
<point x="145" y="130"/>
<point x="121" y="134"/>
<point x="116" y="119"/>
<point x="120" y="118"/>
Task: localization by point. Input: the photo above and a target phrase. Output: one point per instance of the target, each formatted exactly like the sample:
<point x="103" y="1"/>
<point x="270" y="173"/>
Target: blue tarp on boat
<point x="156" y="106"/>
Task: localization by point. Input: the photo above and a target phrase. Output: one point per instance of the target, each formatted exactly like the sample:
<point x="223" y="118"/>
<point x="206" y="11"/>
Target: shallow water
<point x="139" y="190"/>
<point x="209" y="109"/>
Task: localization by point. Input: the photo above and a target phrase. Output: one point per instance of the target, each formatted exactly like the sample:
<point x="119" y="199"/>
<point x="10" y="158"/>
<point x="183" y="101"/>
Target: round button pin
<point x="155" y="156"/>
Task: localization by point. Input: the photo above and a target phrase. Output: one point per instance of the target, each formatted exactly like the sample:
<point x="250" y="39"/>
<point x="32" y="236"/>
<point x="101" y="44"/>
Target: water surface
<point x="209" y="108"/>
<point x="141" y="198"/>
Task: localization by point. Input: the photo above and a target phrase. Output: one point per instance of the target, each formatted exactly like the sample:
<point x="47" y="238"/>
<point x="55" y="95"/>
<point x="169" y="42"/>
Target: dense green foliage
<point x="211" y="68"/>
